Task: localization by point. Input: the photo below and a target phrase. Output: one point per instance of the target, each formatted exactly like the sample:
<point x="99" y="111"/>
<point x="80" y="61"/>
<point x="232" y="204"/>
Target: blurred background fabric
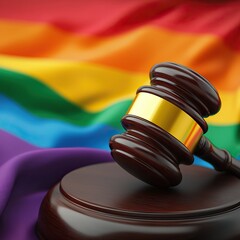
<point x="69" y="70"/>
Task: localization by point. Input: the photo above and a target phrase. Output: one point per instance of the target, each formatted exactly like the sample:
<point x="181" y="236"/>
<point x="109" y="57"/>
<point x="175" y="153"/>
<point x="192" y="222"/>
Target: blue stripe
<point x="198" y="161"/>
<point x="54" y="133"/>
<point x="50" y="132"/>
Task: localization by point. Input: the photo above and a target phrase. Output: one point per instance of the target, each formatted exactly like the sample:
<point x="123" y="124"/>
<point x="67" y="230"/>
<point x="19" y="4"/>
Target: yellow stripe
<point x="95" y="87"/>
<point x="90" y="86"/>
<point x="136" y="50"/>
<point x="230" y="110"/>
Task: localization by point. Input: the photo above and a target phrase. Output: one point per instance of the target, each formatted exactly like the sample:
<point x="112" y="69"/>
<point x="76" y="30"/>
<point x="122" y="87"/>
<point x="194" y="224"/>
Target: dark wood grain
<point x="104" y="202"/>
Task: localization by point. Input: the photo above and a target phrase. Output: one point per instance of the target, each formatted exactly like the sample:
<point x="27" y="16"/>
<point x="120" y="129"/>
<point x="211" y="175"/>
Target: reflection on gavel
<point x="165" y="126"/>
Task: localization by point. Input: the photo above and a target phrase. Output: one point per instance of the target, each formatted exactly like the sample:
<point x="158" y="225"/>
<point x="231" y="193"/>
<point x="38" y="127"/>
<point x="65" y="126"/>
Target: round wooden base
<point x="105" y="202"/>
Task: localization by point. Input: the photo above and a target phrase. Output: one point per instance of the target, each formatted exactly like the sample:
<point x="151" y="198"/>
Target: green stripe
<point x="44" y="102"/>
<point x="226" y="137"/>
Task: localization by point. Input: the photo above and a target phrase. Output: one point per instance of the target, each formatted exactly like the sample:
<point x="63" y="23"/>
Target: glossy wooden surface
<point x="219" y="158"/>
<point x="105" y="202"/>
<point x="149" y="153"/>
<point x="186" y="89"/>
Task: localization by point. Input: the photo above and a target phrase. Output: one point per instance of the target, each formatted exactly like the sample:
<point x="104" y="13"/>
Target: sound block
<point x="105" y="202"/>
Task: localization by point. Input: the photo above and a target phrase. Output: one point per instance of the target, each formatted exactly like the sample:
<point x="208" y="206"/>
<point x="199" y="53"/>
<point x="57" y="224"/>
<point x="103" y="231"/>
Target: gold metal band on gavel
<point x="167" y="116"/>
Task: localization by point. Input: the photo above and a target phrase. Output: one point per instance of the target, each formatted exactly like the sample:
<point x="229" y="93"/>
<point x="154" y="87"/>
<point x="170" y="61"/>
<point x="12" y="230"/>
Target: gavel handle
<point x="220" y="159"/>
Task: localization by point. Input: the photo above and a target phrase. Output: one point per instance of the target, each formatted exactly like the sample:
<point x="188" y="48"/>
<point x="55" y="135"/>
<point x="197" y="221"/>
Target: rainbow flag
<point x="69" y="71"/>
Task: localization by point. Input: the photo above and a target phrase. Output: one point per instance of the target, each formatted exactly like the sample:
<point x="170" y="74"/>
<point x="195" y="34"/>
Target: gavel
<point x="165" y="126"/>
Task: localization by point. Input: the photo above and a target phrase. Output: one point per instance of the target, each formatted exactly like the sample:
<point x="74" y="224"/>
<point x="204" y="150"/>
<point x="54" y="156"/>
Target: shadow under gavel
<point x="165" y="126"/>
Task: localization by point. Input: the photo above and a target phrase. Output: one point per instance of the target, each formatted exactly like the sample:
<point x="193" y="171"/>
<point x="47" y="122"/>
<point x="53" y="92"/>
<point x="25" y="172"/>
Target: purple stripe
<point x="11" y="146"/>
<point x="25" y="176"/>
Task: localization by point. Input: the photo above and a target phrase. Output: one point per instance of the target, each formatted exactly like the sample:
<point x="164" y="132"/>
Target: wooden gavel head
<point x="165" y="124"/>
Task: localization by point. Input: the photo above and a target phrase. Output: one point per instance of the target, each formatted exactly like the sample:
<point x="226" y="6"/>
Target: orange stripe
<point x="134" y="51"/>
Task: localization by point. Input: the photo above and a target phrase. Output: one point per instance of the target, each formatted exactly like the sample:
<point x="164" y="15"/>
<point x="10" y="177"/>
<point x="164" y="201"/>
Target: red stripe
<point x="94" y="17"/>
